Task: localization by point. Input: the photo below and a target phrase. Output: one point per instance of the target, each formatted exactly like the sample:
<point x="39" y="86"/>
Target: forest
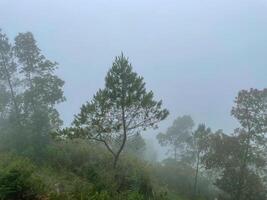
<point x="102" y="155"/>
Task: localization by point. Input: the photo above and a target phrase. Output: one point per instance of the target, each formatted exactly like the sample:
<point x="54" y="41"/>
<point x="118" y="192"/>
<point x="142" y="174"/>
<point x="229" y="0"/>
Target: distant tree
<point x="8" y="77"/>
<point x="179" y="178"/>
<point x="136" y="146"/>
<point x="4" y="100"/>
<point x="151" y="153"/>
<point x="240" y="157"/>
<point x="29" y="91"/>
<point x="190" y="145"/>
<point x="199" y="147"/>
<point x="120" y="110"/>
<point x="43" y="89"/>
<point x="178" y="136"/>
<point x="251" y="111"/>
<point x="224" y="155"/>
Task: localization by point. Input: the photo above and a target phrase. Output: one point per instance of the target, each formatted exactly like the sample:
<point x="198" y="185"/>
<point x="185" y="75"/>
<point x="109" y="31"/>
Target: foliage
<point x="120" y="110"/>
<point x="250" y="110"/>
<point x="136" y="146"/>
<point x="33" y="166"/>
<point x="178" y="135"/>
<point x="179" y="177"/>
<point x="17" y="180"/>
<point x="190" y="145"/>
<point x="91" y="163"/>
<point x="30" y="90"/>
<point x="225" y="155"/>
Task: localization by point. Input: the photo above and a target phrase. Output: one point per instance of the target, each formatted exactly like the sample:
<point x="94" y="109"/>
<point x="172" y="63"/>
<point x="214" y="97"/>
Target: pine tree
<point x="119" y="111"/>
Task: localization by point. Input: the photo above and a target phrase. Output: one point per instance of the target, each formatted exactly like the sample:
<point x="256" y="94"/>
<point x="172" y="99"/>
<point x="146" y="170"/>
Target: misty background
<point x="194" y="54"/>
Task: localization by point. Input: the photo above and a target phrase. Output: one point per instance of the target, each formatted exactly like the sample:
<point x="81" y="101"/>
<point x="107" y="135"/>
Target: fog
<point x="194" y="54"/>
<point x="113" y="139"/>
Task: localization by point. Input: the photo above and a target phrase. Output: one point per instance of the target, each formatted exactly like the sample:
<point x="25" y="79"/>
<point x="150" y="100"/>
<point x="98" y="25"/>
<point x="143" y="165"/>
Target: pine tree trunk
<point x="196" y="176"/>
<point x="175" y="153"/>
<point x="116" y="158"/>
<point x="243" y="167"/>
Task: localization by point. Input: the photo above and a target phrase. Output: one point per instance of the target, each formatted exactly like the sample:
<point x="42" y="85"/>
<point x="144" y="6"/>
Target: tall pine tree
<point x="119" y="111"/>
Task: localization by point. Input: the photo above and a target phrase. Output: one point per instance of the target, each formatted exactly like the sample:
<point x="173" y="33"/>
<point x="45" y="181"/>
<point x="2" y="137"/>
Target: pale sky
<point x="194" y="54"/>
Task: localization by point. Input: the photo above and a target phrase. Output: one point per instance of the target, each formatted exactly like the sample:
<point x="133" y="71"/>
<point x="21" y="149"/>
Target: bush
<point x="91" y="163"/>
<point x="83" y="171"/>
<point x="17" y="181"/>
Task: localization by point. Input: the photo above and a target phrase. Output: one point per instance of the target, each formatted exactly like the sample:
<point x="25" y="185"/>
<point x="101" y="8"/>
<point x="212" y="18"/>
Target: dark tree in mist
<point x="224" y="156"/>
<point x="8" y="79"/>
<point x="240" y="157"/>
<point x="178" y="135"/>
<point x="119" y="111"/>
<point x="43" y="89"/>
<point x="199" y="148"/>
<point x="30" y="90"/>
<point x="136" y="146"/>
<point x="190" y="145"/>
<point x="251" y="111"/>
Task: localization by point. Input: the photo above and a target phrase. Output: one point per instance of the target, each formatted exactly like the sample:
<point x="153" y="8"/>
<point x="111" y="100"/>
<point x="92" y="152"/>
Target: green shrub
<point x="100" y="196"/>
<point x="17" y="181"/>
<point x="135" y="196"/>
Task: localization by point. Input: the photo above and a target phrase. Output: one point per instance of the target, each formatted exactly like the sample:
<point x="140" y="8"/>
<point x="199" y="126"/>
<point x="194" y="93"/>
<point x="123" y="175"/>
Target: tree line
<point x="117" y="114"/>
<point x="237" y="159"/>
